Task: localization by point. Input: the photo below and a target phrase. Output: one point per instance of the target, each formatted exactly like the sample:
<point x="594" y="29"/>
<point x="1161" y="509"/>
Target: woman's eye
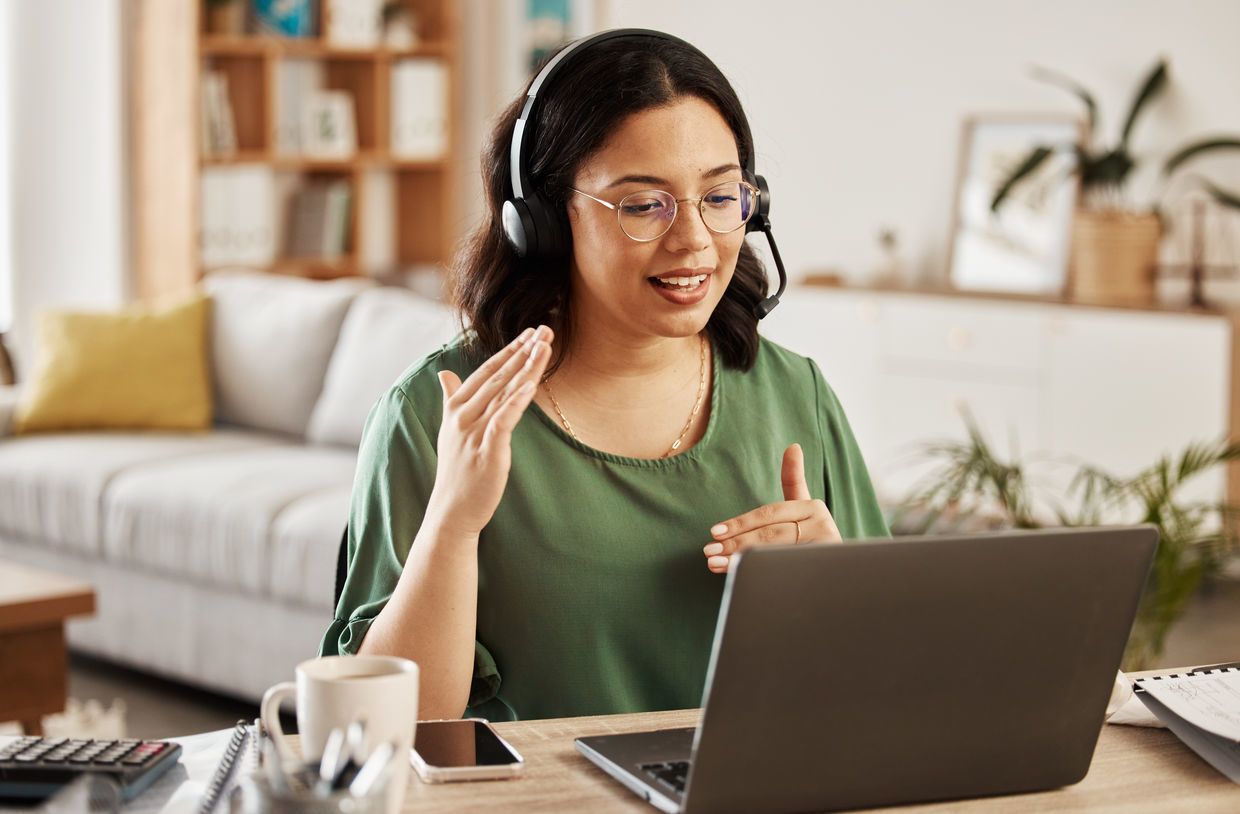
<point x="721" y="200"/>
<point x="643" y="207"/>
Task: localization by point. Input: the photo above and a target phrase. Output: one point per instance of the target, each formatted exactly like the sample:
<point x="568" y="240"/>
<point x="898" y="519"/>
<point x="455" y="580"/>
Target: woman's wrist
<point x="439" y="529"/>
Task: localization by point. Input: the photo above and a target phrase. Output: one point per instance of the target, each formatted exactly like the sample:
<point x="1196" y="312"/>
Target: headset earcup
<point x="549" y="238"/>
<point x="761" y="219"/>
<point x="518" y="226"/>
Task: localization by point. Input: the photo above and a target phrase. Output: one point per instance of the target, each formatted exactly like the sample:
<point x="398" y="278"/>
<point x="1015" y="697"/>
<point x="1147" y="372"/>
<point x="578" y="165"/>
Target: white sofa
<point x="213" y="555"/>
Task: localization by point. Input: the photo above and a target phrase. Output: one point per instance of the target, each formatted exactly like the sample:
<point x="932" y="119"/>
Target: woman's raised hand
<point x="475" y="452"/>
<point x="798" y="519"/>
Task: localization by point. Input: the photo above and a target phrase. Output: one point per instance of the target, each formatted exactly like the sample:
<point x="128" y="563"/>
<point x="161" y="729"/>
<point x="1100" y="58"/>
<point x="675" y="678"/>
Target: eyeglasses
<point x="648" y="215"/>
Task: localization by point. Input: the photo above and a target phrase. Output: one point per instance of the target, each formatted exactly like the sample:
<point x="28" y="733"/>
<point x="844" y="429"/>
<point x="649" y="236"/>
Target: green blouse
<point x="593" y="593"/>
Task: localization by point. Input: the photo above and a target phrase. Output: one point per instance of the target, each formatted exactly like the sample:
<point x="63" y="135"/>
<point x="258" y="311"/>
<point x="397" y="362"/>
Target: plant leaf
<point x="1197" y="148"/>
<point x="1025" y="168"/>
<point x="1153" y="84"/>
<point x="1228" y="199"/>
<point x="1091" y="107"/>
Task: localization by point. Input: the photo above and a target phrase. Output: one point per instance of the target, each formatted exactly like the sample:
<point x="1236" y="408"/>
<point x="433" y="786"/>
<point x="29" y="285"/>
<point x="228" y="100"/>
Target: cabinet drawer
<point x="965" y="334"/>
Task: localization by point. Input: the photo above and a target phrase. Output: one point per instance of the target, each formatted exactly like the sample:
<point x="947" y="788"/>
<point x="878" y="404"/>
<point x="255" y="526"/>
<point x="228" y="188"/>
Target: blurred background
<point x="1012" y="229"/>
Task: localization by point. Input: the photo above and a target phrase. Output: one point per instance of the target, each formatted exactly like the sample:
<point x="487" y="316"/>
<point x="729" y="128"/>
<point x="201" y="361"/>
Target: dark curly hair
<point x="498" y="294"/>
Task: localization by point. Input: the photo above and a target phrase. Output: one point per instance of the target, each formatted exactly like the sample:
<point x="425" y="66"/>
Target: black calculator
<point x="39" y="767"/>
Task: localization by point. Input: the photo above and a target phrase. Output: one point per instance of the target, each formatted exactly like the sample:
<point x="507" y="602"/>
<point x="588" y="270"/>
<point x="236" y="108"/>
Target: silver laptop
<point x="874" y="673"/>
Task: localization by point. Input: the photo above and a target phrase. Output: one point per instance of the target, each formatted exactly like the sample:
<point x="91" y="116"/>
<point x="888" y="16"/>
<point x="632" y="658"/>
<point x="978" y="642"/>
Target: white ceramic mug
<point x="333" y="691"/>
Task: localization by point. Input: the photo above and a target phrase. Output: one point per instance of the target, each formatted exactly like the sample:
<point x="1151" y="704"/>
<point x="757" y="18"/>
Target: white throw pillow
<point x="386" y="331"/>
<point x="271" y="338"/>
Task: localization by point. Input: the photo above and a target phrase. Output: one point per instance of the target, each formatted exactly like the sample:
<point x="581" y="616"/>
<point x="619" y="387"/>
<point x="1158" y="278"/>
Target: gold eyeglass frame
<point x="615" y="207"/>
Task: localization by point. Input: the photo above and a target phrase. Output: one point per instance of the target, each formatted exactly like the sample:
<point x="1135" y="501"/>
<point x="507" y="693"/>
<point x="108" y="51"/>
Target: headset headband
<point x="517" y="160"/>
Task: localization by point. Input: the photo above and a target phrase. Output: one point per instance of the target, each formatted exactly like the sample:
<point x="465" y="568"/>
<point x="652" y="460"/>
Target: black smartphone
<point x="462" y="749"/>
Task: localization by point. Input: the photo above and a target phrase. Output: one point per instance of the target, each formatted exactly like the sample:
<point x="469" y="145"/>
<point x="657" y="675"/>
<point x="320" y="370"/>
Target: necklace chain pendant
<point x="697" y="405"/>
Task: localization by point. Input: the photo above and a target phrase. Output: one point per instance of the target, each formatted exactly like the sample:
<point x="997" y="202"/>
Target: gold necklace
<point x="697" y="405"/>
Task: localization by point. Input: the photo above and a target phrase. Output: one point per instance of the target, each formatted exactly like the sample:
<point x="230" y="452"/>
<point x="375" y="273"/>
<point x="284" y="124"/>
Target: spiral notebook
<point x="244" y="747"/>
<point x="1202" y="708"/>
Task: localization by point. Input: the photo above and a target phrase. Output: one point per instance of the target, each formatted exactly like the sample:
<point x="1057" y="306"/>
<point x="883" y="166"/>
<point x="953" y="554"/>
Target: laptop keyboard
<point x="672" y="775"/>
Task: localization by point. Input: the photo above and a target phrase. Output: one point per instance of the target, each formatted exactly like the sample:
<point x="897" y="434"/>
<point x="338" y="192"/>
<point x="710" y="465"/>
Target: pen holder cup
<point x="254" y="794"/>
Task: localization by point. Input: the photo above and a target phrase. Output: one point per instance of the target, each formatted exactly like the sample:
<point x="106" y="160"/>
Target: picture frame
<point x="1023" y="248"/>
<point x="328" y="128"/>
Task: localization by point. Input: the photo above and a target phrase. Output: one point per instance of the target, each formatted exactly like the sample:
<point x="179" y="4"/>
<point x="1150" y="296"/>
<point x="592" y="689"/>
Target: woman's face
<point x="683" y="148"/>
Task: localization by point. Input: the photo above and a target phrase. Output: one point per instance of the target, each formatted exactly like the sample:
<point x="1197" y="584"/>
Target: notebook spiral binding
<point x="1213" y="669"/>
<point x="226" y="767"/>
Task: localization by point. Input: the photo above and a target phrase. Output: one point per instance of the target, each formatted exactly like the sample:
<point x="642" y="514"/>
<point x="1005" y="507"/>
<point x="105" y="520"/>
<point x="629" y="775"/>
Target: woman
<point x="542" y="517"/>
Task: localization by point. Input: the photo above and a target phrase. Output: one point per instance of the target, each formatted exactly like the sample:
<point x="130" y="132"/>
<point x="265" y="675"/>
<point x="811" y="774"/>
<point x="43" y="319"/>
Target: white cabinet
<point x="1060" y="384"/>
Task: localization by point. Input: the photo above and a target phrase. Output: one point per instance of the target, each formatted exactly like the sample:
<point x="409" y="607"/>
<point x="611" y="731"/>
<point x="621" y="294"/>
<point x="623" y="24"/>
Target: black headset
<point x="538" y="229"/>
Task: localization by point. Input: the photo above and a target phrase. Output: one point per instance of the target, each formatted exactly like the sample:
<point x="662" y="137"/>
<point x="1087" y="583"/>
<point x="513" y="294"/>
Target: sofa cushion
<point x="52" y="486"/>
<point x="271" y="337"/>
<point x="305" y="540"/>
<point x="385" y="331"/>
<point x="140" y="367"/>
<point x="214" y="520"/>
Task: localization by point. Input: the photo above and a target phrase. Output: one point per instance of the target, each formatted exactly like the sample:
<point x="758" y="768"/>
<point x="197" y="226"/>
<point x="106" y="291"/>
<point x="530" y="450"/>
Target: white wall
<point x="66" y="131"/>
<point x="856" y="105"/>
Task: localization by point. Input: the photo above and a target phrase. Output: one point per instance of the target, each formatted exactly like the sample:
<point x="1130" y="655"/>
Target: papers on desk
<point x="1202" y="708"/>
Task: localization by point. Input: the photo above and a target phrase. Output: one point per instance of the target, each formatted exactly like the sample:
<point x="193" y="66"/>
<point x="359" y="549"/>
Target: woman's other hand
<point x="798" y="519"/>
<point x="479" y="415"/>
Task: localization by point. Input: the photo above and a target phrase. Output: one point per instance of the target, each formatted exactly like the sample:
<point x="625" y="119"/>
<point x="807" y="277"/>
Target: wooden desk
<point x="33" y="660"/>
<point x="1134" y="770"/>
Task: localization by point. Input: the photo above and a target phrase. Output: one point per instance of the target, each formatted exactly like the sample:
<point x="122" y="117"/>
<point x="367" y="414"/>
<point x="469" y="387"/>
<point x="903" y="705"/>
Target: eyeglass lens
<point x="648" y="214"/>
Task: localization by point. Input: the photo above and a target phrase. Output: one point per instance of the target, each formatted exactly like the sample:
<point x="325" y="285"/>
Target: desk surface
<point x="1134" y="769"/>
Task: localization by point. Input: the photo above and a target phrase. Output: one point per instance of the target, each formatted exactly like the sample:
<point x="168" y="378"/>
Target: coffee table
<point x="34" y="662"/>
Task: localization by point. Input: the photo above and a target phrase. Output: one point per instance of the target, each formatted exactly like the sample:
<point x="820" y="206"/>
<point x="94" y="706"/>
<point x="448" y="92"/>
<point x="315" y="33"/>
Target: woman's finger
<point x="771" y="513"/>
<point x="532" y="371"/>
<point x="792" y="474"/>
<point x="490" y="366"/>
<point x="449" y="383"/>
<point x="504" y="421"/>
<point x="476" y="407"/>
<point x="783" y="532"/>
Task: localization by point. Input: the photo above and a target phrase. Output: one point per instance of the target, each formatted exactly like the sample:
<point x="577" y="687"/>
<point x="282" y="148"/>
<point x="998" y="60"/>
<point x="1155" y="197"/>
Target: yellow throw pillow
<point x="138" y="368"/>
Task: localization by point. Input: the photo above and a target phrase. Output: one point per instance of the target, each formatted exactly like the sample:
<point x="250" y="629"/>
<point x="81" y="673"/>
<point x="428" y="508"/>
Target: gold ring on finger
<point x="797" y="523"/>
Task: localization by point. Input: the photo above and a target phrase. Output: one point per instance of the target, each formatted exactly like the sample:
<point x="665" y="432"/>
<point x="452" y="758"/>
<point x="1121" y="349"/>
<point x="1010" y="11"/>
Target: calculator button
<point x="26" y="757"/>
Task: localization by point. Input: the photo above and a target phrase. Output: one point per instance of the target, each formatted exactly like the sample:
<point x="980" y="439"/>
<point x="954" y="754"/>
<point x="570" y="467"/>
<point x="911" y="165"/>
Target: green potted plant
<point x="1114" y="241"/>
<point x="974" y="487"/>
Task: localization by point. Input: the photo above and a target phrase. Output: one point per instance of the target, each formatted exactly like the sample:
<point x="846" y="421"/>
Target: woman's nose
<point x="688" y="230"/>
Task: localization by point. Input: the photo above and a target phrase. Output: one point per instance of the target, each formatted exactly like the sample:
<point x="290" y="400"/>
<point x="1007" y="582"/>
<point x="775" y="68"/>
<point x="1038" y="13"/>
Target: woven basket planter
<point x="1114" y="256"/>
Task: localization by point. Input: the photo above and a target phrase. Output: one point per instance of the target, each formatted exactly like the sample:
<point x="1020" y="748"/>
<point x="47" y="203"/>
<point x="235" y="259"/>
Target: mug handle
<point x="269" y="712"/>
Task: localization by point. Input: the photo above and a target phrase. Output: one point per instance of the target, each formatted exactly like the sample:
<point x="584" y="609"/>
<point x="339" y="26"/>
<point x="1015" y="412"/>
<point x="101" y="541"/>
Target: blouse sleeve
<point x="850" y="494"/>
<point x="392" y="485"/>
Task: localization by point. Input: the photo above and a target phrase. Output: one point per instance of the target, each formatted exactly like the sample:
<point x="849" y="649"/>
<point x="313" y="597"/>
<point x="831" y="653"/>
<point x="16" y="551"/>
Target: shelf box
<point x="247" y="98"/>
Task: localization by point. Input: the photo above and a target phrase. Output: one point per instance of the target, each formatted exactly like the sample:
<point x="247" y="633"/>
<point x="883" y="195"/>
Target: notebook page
<point x="1210" y="701"/>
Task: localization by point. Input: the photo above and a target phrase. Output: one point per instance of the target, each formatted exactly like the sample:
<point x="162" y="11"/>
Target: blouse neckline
<point x="692" y="454"/>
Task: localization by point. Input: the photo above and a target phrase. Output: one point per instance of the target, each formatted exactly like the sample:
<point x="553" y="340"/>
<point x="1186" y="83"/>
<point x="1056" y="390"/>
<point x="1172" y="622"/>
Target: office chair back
<point x="342" y="566"/>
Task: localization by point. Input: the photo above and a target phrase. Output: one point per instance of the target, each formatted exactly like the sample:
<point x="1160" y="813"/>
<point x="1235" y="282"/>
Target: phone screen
<point x="458" y="744"/>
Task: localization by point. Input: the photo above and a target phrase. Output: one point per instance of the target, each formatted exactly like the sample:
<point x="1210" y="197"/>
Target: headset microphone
<point x="538" y="229"/>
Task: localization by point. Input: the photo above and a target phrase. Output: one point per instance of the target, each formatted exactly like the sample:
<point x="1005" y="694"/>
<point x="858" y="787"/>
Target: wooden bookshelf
<point x="172" y="49"/>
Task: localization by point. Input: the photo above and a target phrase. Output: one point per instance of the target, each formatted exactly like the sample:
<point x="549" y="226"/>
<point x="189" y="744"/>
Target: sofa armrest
<point x="9" y="394"/>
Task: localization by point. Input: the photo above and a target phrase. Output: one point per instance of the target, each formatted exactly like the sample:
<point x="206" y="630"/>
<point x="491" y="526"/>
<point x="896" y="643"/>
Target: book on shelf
<point x="419" y="109"/>
<point x="285" y="18"/>
<point x="238" y="213"/>
<point x="219" y="133"/>
<point x="354" y="23"/>
<point x="295" y="81"/>
<point x="318" y="221"/>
